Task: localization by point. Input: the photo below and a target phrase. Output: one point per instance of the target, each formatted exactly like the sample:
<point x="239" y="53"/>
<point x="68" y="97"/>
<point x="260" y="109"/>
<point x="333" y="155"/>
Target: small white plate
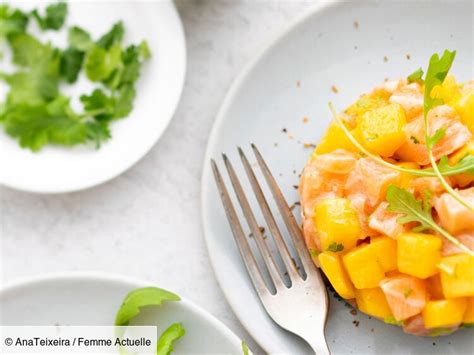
<point x="352" y="45"/>
<point x="57" y="169"/>
<point x="93" y="299"/>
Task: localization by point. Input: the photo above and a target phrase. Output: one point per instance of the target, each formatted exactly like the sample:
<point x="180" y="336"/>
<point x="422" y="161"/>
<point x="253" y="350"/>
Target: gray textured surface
<point x="146" y="223"/>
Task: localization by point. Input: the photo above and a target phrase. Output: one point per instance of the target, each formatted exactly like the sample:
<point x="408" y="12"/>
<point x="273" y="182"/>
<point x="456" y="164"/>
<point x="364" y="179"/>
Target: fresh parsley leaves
<point x="35" y="111"/>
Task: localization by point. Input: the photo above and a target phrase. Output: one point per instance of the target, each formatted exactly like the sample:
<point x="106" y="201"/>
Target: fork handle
<point x="318" y="344"/>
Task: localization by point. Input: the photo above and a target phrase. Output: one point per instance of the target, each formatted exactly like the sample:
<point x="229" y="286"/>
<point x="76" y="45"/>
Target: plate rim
<point x="219" y="120"/>
<point x="182" y="44"/>
<point x="107" y="277"/>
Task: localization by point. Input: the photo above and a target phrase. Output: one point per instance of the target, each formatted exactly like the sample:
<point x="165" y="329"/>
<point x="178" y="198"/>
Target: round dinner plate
<point x="335" y="52"/>
<point x="57" y="169"/>
<point x="82" y="299"/>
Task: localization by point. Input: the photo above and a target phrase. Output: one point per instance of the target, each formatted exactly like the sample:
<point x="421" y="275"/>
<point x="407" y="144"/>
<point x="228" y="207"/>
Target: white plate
<point x="93" y="299"/>
<point x="342" y="44"/>
<point x="57" y="169"/>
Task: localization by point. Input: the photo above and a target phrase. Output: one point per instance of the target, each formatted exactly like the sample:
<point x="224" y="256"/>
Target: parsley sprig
<point x="412" y="210"/>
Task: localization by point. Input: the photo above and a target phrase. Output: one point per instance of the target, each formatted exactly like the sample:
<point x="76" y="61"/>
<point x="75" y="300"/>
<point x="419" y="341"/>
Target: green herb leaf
<point x="391" y="320"/>
<point x="112" y="37"/>
<point x="335" y="247"/>
<point x="41" y="124"/>
<point x="245" y="348"/>
<point x="98" y="105"/>
<point x="124" y="101"/>
<point x="435" y="138"/>
<point x="437" y="71"/>
<point x="12" y="21"/>
<point x="137" y="299"/>
<point x="402" y="201"/>
<point x="169" y="336"/>
<point x="79" y="39"/>
<point x="101" y="63"/>
<point x="463" y="166"/>
<point x="417" y="75"/>
<point x="71" y="63"/>
<point x="55" y="16"/>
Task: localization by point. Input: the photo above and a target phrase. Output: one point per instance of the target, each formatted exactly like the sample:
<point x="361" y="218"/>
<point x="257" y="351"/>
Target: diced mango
<point x="464" y="105"/>
<point x="462" y="179"/>
<point x="444" y="313"/>
<point x="334" y="138"/>
<point x="364" y="270"/>
<point x="418" y="254"/>
<point x="372" y="302"/>
<point x="332" y="266"/>
<point x="457" y="275"/>
<point x="337" y="224"/>
<point x="469" y="314"/>
<point x="385" y="251"/>
<point x="447" y="91"/>
<point x="366" y="103"/>
<point x="381" y="129"/>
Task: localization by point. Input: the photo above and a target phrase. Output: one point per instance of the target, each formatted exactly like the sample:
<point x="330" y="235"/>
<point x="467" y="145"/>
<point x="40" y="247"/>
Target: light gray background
<point x="146" y="223"/>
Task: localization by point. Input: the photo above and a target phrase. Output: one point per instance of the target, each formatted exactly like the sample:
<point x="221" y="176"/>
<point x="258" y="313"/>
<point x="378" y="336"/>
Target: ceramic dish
<point x="280" y="102"/>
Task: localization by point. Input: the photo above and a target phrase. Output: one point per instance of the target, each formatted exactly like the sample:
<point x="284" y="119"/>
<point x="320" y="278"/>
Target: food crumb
<point x="334" y="89"/>
<point x="291" y="136"/>
<point x="294" y="171"/>
<point x="353" y="311"/>
<point x="355" y="47"/>
<point x="385" y="59"/>
<point x="284" y="130"/>
<point x="309" y="145"/>
<point x="372" y="330"/>
<point x="295" y="187"/>
<point x="275" y="144"/>
<point x="305" y="119"/>
<point x="356" y="323"/>
<point x="356" y="25"/>
<point x="408" y="56"/>
<point x="298" y="83"/>
<point x="434" y="344"/>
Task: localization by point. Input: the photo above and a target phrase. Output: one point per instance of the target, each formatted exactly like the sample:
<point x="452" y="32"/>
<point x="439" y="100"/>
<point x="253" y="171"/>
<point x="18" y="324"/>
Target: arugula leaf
<point x="169" y="336"/>
<point x="437" y="71"/>
<point x="41" y="124"/>
<point x="245" y="348"/>
<point x="335" y="247"/>
<point x="135" y="300"/>
<point x="54" y="17"/>
<point x="71" y="64"/>
<point x="417" y="75"/>
<point x="402" y="201"/>
<point x="465" y="165"/>
<point x="101" y="63"/>
<point x="12" y="21"/>
<point x="112" y="37"/>
<point x="436" y="137"/>
<point x="79" y="39"/>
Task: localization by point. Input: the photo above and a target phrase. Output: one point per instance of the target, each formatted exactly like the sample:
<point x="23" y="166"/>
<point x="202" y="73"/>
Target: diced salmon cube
<point x="371" y="179"/>
<point x="453" y="215"/>
<point x="338" y="162"/>
<point x="406" y="295"/>
<point x="410" y="97"/>
<point x="385" y="222"/>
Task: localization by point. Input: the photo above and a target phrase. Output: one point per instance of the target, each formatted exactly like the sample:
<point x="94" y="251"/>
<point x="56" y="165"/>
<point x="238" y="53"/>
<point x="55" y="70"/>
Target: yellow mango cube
<point x="462" y="179"/>
<point x="363" y="267"/>
<point x="367" y="103"/>
<point x="464" y="105"/>
<point x="337" y="224"/>
<point x="334" y="138"/>
<point x="385" y="251"/>
<point x="405" y="178"/>
<point x="444" y="313"/>
<point x="435" y="290"/>
<point x="418" y="254"/>
<point x="447" y="91"/>
<point x="332" y="266"/>
<point x="381" y="129"/>
<point x="469" y="314"/>
<point x="457" y="275"/>
<point x="372" y="301"/>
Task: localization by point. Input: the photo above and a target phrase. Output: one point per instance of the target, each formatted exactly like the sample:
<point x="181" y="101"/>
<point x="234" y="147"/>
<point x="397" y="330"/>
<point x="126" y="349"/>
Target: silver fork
<point x="301" y="307"/>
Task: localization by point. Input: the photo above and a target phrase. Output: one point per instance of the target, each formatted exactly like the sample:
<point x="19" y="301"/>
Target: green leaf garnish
<point x="54" y="18"/>
<point x="417" y="75"/>
<point x="464" y="165"/>
<point x="112" y="37"/>
<point x="412" y="210"/>
<point x="391" y="320"/>
<point x="71" y="63"/>
<point x="12" y="21"/>
<point x="435" y="138"/>
<point x="167" y="339"/>
<point x="139" y="298"/>
<point x="245" y="348"/>
<point x="80" y="39"/>
<point x="335" y="247"/>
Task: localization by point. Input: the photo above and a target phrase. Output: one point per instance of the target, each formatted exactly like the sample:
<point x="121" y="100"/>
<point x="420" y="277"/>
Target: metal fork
<point x="301" y="307"/>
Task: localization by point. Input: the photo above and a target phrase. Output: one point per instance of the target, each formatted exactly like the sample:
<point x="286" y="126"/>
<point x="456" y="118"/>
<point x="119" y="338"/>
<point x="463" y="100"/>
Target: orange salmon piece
<point x="466" y="238"/>
<point x="454" y="216"/>
<point x="406" y="295"/>
<point x="410" y="97"/>
<point x="415" y="326"/>
<point x="370" y="179"/>
<point x="385" y="222"/>
<point x="338" y="162"/>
